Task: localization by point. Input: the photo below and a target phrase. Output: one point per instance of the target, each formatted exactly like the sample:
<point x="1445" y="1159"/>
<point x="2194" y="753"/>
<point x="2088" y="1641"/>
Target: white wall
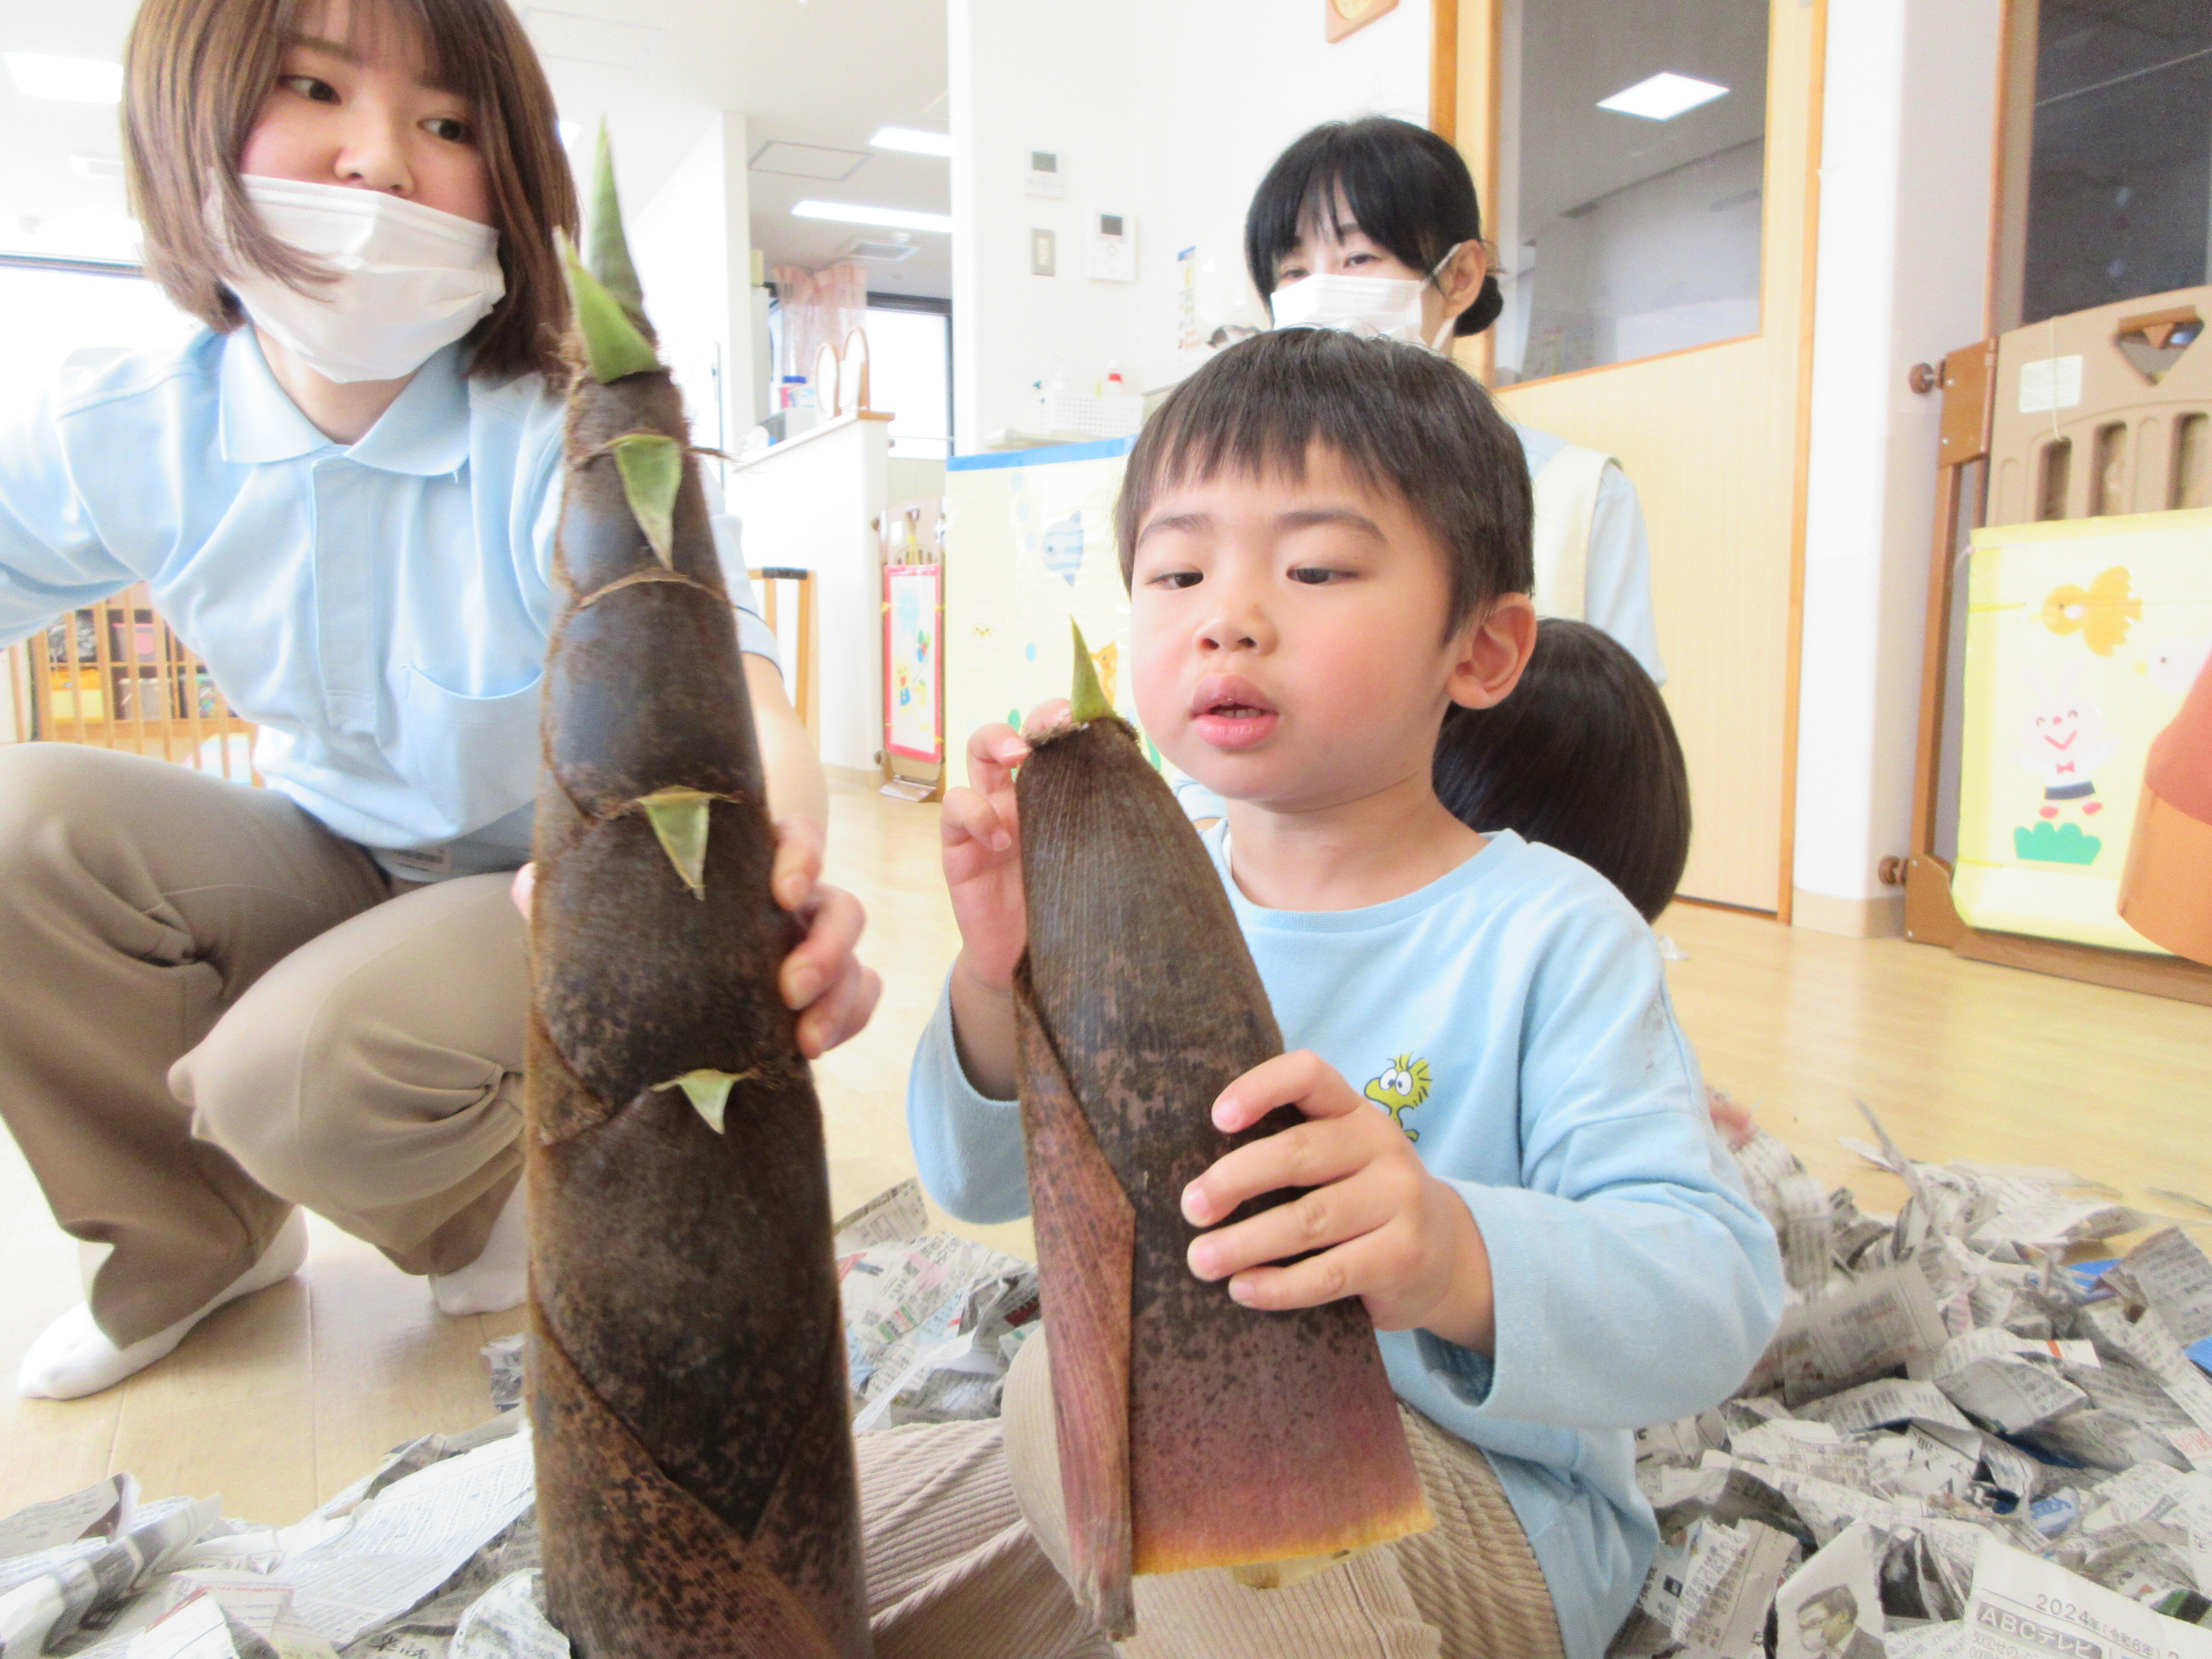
<point x="1164" y="110"/>
<point x="693" y="244"/>
<point x="1904" y="202"/>
<point x="811" y="502"/>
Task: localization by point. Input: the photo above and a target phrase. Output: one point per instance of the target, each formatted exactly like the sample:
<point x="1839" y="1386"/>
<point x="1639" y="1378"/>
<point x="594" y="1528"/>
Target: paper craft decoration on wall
<point x="913" y="666"/>
<point x="2082" y="637"/>
<point x="1030" y="545"/>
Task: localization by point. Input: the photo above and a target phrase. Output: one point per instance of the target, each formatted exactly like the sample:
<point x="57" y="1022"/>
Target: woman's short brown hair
<point x="196" y="72"/>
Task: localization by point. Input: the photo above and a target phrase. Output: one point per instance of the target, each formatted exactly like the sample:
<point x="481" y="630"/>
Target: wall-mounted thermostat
<point x="1045" y="177"/>
<point x="1113" y="247"/>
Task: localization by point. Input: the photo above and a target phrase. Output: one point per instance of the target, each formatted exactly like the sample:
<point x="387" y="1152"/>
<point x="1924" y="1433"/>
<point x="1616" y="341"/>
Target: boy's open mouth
<point x="1229" y="711"/>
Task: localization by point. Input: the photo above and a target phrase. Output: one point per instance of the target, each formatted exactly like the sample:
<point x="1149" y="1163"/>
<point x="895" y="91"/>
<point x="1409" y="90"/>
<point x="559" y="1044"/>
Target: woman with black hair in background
<point x="1373" y="225"/>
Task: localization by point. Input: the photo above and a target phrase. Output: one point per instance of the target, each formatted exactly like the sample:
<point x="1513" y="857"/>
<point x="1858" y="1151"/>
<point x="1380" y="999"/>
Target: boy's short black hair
<point x="1403" y="419"/>
<point x="1582" y="756"/>
<point x="1408" y="189"/>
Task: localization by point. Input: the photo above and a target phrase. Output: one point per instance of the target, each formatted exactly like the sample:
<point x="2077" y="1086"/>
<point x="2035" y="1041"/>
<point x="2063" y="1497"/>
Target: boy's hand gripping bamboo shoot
<point x="687" y="1360"/>
<point x="1193" y="1432"/>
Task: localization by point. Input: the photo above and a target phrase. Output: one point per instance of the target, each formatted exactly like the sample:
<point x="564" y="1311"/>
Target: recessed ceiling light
<point x="851" y="213"/>
<point x="67" y="80"/>
<point x="912" y="141"/>
<point x="1663" y="97"/>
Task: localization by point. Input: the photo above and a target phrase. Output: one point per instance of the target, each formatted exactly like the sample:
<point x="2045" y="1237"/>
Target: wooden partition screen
<point x="114" y="676"/>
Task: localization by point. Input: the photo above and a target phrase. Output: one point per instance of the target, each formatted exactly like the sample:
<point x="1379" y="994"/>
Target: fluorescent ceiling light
<point x="912" y="141"/>
<point x="67" y="80"/>
<point x="851" y="213"/>
<point x="1663" y="97"/>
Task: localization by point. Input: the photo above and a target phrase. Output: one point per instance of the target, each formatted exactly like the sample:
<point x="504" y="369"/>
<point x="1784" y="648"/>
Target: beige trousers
<point x="214" y="1008"/>
<point x="964" y="1527"/>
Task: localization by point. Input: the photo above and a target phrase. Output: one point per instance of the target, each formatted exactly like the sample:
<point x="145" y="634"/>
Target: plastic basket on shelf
<point x="1117" y="414"/>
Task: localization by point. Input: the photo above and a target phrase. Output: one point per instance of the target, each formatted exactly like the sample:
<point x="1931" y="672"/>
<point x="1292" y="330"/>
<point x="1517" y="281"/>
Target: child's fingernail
<point x="1239" y="1291"/>
<point x="1222" y="1110"/>
<point x="1000" y="841"/>
<point x="794" y="891"/>
<point x="806" y="986"/>
<point x="1201" y="1261"/>
<point x="1193" y="1205"/>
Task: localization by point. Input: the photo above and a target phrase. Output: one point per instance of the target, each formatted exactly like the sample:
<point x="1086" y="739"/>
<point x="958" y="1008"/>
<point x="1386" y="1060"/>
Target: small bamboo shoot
<point x="1193" y="1431"/>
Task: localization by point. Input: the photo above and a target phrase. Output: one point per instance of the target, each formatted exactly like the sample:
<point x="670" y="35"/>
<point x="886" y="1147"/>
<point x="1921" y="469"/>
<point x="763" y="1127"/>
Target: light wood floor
<point x="279" y="1400"/>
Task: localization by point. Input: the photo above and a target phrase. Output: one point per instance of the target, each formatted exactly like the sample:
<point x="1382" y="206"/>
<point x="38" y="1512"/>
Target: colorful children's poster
<point x="2083" y="637"/>
<point x="912" y="662"/>
<point x="1029" y="547"/>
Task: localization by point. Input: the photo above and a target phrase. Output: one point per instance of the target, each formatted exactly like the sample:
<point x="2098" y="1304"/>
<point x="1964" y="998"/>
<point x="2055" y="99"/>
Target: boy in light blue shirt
<point x="1326" y="543"/>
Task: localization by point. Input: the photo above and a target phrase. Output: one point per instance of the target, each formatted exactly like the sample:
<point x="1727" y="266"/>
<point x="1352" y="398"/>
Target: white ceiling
<point x="819" y="72"/>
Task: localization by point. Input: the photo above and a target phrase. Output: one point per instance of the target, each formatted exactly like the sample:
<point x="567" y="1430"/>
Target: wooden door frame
<point x="1444" y="110"/>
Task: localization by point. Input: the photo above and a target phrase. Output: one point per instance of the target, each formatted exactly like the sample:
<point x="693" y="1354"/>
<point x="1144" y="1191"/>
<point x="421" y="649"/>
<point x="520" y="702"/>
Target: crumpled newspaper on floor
<point x="931" y="1321"/>
<point x="1956" y="1443"/>
<point x="434" y="1554"/>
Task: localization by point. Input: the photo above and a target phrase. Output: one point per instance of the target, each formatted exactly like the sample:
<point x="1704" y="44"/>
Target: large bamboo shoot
<point x="687" y="1359"/>
<point x="1193" y="1431"/>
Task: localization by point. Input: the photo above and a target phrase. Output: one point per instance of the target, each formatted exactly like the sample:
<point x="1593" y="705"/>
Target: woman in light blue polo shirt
<point x="224" y="1002"/>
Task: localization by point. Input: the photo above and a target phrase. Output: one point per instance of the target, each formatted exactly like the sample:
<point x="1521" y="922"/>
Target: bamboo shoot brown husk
<point x="687" y="1365"/>
<point x="1193" y="1431"/>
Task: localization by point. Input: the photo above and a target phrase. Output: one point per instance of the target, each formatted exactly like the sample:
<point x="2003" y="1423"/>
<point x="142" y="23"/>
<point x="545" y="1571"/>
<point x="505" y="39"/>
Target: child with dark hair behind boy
<point x="1326" y="540"/>
<point x="1582" y="757"/>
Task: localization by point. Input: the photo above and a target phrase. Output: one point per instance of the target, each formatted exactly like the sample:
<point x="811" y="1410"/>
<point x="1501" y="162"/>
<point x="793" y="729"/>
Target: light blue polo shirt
<point x="380" y="612"/>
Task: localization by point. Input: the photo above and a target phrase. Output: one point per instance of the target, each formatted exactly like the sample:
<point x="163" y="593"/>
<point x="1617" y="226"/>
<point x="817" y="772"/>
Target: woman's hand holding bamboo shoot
<point x="1379" y="1225"/>
<point x="831" y="989"/>
<point x="981" y="835"/>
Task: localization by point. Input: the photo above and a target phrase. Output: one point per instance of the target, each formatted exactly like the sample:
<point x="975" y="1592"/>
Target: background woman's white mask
<point x="1387" y="308"/>
<point x="407" y="280"/>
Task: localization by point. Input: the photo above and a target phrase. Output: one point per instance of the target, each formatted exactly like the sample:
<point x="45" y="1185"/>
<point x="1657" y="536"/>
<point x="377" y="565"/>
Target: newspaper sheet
<point x="509" y="1622"/>
<point x="2171" y="1272"/>
<point x="1871" y="1326"/>
<point x="410" y="1538"/>
<point x="2027" y="1608"/>
<point x="98" y="1512"/>
<point x="1831" y="1608"/>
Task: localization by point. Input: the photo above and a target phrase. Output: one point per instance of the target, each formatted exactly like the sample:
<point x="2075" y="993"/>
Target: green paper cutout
<point x="606" y="249"/>
<point x="1086" y="701"/>
<point x="613" y="347"/>
<point x="2056" y="844"/>
<point x="651" y="467"/>
<point x="679" y="818"/>
<point x="708" y="1090"/>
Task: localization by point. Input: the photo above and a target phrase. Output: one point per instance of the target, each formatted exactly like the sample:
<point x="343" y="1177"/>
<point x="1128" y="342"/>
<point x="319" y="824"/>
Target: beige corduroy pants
<point x="213" y="1009"/>
<point x="963" y="1524"/>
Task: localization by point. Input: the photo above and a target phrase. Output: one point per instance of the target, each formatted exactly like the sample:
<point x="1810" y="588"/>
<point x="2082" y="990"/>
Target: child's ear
<point x="1490" y="651"/>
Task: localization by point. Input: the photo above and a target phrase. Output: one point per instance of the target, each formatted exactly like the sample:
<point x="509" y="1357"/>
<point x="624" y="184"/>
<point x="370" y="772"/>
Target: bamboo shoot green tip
<point x="613" y="345"/>
<point x="607" y="252"/>
<point x="1086" y="701"/>
<point x="651" y="468"/>
<point x="708" y="1090"/>
<point x="679" y="819"/>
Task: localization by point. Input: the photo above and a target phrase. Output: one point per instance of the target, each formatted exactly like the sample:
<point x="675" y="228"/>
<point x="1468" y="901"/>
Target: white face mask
<point x="1385" y="308"/>
<point x="407" y="280"/>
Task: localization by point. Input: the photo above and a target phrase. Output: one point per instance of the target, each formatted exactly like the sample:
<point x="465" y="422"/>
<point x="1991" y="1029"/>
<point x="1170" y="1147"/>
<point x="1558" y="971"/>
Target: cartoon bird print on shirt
<point x="1403" y="1085"/>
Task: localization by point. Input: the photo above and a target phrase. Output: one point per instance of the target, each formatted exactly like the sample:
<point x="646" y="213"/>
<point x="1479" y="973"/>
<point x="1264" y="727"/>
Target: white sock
<point x="500" y="1278"/>
<point x="73" y="1357"/>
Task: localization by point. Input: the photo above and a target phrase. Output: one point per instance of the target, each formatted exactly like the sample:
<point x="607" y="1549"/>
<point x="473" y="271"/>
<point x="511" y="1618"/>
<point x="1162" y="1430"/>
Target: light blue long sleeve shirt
<point x="1516" y="1015"/>
<point x="381" y="611"/>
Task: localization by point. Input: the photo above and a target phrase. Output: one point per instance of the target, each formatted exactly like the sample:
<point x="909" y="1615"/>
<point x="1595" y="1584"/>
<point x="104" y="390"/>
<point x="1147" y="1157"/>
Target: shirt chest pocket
<point x="474" y="758"/>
